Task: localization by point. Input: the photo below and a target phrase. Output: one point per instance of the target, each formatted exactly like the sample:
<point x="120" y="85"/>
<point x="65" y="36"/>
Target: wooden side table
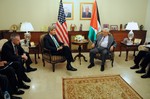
<point x="80" y="43"/>
<point x="35" y="50"/>
<point x="127" y="47"/>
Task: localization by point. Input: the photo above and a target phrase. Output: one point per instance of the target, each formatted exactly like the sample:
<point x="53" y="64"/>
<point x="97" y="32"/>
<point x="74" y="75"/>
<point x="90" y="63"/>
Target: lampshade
<point x="132" y="26"/>
<point x="26" y="26"/>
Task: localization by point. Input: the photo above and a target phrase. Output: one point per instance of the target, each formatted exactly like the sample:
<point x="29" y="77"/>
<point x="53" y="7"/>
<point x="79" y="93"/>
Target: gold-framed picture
<point x="68" y="10"/>
<point x="86" y="10"/>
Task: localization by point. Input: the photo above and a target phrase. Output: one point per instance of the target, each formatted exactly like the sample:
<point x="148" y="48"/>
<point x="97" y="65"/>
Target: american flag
<point x="61" y="25"/>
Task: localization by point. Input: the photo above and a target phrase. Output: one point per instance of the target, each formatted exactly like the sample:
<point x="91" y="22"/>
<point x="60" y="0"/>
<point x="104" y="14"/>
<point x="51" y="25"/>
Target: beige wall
<point x="147" y="21"/>
<point x="41" y="13"/>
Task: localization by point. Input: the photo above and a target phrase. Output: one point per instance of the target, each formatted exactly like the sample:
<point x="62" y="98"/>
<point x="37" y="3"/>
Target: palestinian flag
<point x="95" y="26"/>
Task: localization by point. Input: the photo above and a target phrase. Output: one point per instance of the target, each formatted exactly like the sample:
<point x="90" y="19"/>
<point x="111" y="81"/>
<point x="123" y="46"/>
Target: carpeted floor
<point x="102" y="87"/>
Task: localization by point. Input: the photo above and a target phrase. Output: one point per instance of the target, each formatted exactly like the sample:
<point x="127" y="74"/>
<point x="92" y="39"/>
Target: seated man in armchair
<point x="12" y="51"/>
<point x="142" y="53"/>
<point x="104" y="44"/>
<point x="58" y="48"/>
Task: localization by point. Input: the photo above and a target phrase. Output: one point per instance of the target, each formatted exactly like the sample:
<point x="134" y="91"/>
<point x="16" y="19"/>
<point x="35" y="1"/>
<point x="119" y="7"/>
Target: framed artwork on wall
<point x="86" y="10"/>
<point x="68" y="10"/>
<point x="113" y="27"/>
<point x="105" y="25"/>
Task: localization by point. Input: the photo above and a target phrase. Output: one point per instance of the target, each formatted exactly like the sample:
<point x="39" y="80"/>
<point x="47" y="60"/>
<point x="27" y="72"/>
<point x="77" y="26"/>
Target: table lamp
<point x="27" y="26"/>
<point x="131" y="26"/>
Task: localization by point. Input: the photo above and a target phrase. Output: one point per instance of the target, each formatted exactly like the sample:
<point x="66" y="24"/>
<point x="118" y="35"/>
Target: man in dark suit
<point x="87" y="13"/>
<point x="104" y="43"/>
<point x="13" y="52"/>
<point x="138" y="58"/>
<point x="58" y="48"/>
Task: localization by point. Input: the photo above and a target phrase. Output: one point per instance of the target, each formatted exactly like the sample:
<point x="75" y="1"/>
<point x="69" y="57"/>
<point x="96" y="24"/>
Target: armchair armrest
<point x="112" y="50"/>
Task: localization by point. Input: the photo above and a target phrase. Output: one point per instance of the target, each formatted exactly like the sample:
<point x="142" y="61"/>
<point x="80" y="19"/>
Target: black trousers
<point x="145" y="61"/>
<point x="148" y="71"/>
<point x="103" y="51"/>
<point x="66" y="52"/>
<point x="3" y="83"/>
<point x="28" y="61"/>
<point x="139" y="57"/>
<point x="11" y="75"/>
<point x="20" y="71"/>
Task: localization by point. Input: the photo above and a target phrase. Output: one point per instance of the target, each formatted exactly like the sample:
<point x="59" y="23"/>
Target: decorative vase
<point x="120" y="27"/>
<point x="141" y="27"/>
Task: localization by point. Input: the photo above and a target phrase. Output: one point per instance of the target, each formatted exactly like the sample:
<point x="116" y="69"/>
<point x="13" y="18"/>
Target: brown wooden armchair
<point x="2" y="41"/>
<point x="47" y="56"/>
<point x="109" y="57"/>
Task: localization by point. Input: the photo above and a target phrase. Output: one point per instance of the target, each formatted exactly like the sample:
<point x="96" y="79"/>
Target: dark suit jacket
<point x="8" y="53"/>
<point x="49" y="44"/>
<point x="88" y="15"/>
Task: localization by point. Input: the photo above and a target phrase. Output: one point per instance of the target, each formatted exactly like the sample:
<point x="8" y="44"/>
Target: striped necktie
<point x="55" y="41"/>
<point x="16" y="50"/>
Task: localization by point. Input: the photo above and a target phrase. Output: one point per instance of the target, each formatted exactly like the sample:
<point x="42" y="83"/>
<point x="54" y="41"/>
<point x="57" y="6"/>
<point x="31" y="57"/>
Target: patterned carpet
<point x="102" y="87"/>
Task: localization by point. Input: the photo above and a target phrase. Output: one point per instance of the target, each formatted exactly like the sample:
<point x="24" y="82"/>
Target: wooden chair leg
<point x="53" y="66"/>
<point x="112" y="62"/>
<point x="43" y="62"/>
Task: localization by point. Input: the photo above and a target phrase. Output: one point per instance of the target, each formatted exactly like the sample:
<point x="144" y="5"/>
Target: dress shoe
<point x="102" y="68"/>
<point x="91" y="65"/>
<point x="70" y="68"/>
<point x="134" y="67"/>
<point x="30" y="69"/>
<point x="15" y="97"/>
<point x="23" y="86"/>
<point x="73" y="60"/>
<point x="27" y="79"/>
<point x="145" y="76"/>
<point x="140" y="71"/>
<point x="19" y="92"/>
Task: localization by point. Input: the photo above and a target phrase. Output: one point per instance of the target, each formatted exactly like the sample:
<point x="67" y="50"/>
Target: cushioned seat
<point x="109" y="57"/>
<point x="47" y="56"/>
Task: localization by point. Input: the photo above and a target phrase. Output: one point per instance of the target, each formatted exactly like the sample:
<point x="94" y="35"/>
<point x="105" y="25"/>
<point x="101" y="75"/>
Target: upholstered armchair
<point x="2" y="41"/>
<point x="48" y="57"/>
<point x="109" y="57"/>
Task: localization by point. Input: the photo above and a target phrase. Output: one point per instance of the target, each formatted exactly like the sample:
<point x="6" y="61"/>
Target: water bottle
<point x="6" y="95"/>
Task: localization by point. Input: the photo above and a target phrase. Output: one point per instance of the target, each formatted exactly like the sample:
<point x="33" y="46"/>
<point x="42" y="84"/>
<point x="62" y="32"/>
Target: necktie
<point x="55" y="41"/>
<point x="16" y="50"/>
<point x="99" y="44"/>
